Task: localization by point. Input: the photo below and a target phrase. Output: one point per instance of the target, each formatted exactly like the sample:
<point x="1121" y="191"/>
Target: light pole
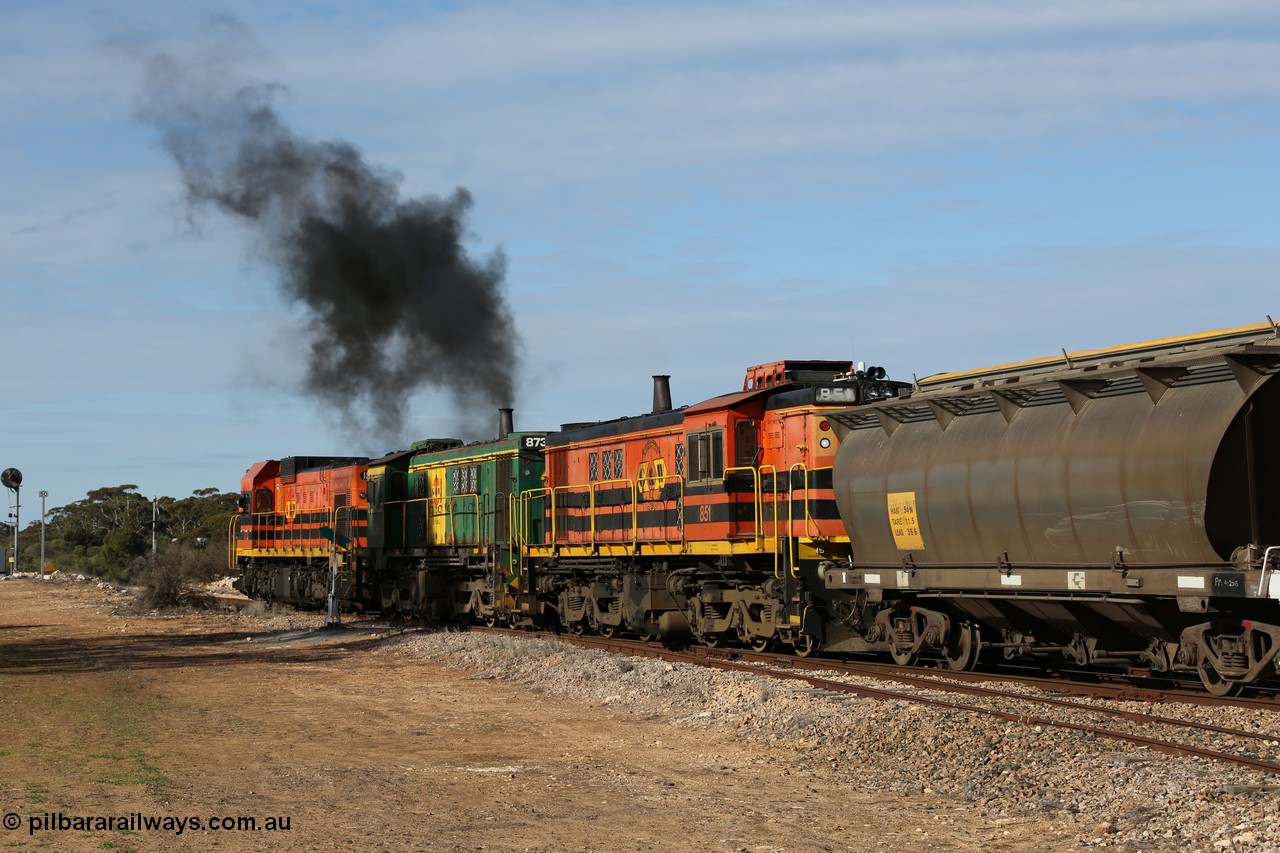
<point x="43" y="494"/>
<point x="11" y="478"/>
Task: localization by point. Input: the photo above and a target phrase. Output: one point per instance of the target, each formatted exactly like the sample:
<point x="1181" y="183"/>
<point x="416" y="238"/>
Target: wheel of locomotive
<point x="1213" y="681"/>
<point x="806" y="645"/>
<point x="962" y="654"/>
<point x="609" y="631"/>
<point x="761" y="644"/>
<point x="712" y="641"/>
<point x="491" y="620"/>
<point x="903" y="657"/>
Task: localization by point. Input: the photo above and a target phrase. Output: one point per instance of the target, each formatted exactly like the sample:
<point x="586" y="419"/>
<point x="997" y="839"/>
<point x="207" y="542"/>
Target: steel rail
<point x="1135" y="716"/>
<point x="1117" y="692"/>
<point x="961" y="682"/>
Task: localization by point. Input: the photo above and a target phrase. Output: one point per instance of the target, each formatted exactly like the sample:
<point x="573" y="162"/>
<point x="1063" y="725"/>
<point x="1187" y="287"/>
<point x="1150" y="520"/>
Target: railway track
<point x="1116" y="689"/>
<point x="1255" y="750"/>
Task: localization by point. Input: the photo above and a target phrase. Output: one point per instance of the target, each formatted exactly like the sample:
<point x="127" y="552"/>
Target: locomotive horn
<point x="661" y="393"/>
<point x="505" y="423"/>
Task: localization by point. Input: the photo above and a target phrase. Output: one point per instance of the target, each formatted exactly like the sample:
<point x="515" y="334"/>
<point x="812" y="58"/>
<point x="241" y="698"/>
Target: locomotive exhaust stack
<point x="661" y="393"/>
<point x="506" y="424"/>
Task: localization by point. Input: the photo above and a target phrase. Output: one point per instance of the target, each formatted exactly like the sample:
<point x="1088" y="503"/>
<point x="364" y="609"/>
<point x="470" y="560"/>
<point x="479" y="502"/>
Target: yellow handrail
<point x="334" y="519"/>
<point x="777" y="572"/>
<point x="756" y="493"/>
<point x="555" y="511"/>
<point x="525" y="501"/>
<point x="232" y="527"/>
<point x="808" y="517"/>
<point x="635" y="533"/>
<point x="555" y="493"/>
<point x="451" y="525"/>
<point x="679" y="501"/>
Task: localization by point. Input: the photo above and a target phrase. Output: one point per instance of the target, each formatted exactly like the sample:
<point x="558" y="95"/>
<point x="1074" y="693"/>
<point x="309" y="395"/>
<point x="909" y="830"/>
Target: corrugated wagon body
<point x="1103" y="505"/>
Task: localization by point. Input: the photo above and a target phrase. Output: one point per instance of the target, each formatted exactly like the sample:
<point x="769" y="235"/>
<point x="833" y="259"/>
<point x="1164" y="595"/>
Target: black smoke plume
<point x="395" y="304"/>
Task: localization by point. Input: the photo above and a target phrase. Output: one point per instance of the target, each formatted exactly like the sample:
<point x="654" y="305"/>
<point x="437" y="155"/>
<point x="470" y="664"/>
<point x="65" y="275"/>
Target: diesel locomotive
<point x="1110" y="506"/>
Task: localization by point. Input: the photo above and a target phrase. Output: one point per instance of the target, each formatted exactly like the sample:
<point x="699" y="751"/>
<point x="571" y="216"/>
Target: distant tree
<point x="120" y="547"/>
<point x="203" y="516"/>
<point x="87" y="522"/>
<point x="107" y="531"/>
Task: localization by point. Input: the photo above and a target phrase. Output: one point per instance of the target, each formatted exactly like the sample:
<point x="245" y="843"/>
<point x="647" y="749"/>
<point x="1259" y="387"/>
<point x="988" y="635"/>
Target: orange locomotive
<point x="297" y="515"/>
<point x="709" y="521"/>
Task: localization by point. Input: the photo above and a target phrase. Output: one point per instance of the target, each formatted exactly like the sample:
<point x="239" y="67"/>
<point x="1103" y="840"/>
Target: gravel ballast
<point x="1099" y="791"/>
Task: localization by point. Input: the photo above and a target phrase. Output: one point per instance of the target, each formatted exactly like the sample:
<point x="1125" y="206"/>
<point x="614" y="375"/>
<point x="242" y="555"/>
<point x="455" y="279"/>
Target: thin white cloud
<point x="496" y="40"/>
<point x="562" y="92"/>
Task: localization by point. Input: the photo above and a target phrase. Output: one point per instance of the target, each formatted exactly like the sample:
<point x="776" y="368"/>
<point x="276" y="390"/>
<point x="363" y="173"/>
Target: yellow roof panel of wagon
<point x="1237" y="335"/>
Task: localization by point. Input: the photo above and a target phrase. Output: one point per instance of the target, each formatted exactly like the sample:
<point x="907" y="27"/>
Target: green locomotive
<point x="447" y="525"/>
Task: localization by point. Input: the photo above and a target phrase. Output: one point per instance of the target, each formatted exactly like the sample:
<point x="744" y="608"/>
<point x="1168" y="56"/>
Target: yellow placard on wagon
<point x="904" y="522"/>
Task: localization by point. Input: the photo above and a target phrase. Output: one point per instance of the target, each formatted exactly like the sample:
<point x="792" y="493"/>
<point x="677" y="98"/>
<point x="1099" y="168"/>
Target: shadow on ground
<point x="163" y="651"/>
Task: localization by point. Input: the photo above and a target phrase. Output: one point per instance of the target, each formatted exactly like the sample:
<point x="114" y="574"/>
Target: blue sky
<point x="682" y="188"/>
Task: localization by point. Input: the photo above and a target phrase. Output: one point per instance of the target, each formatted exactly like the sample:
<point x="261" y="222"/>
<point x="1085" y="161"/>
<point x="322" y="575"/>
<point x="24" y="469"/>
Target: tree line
<point x="108" y="533"/>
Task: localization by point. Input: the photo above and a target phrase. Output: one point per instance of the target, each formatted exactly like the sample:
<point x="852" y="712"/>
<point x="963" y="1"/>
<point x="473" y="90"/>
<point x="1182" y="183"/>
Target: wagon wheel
<point x="1213" y="681"/>
<point x="903" y="657"/>
<point x="962" y="654"/>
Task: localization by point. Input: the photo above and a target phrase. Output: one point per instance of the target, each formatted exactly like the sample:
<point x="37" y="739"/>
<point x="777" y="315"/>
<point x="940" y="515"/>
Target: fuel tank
<point x="1158" y="454"/>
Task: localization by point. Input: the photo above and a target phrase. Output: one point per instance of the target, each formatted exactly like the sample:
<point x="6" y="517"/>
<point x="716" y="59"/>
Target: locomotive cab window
<point x="705" y="456"/>
<point x="263" y="501"/>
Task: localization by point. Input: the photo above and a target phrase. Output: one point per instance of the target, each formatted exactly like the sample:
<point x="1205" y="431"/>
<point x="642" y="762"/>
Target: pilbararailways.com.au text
<point x="139" y="822"/>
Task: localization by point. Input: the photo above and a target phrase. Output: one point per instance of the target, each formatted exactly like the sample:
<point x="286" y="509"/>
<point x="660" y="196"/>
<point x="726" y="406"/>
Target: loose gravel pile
<point x="1102" y="792"/>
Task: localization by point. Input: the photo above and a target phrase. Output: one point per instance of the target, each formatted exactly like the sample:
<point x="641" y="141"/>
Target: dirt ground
<point x="218" y="715"/>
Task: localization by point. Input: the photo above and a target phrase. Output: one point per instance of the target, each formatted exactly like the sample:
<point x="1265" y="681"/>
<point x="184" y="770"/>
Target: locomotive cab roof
<point x="790" y="371"/>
